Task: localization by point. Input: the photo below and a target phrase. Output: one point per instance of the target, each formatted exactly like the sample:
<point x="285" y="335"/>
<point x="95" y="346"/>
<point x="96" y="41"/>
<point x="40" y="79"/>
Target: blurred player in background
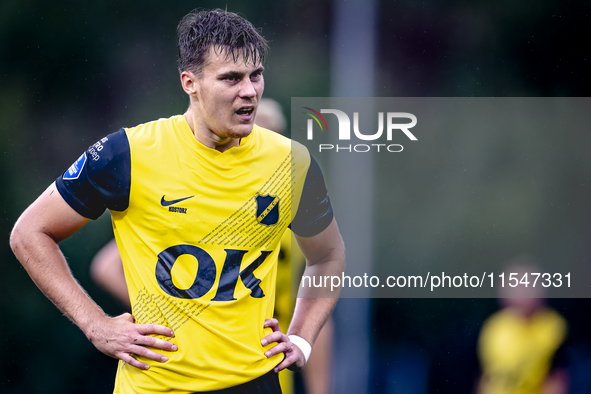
<point x="518" y="347"/>
<point x="107" y="271"/>
<point x="206" y="186"/>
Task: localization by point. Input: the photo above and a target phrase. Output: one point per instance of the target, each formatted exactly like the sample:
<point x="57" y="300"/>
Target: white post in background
<point x="352" y="75"/>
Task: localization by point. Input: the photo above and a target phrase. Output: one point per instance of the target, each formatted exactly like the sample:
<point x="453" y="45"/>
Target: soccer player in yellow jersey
<point x="107" y="272"/>
<point x="199" y="203"/>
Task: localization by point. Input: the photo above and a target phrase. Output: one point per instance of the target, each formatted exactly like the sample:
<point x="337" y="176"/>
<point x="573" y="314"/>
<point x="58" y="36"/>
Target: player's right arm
<point x="34" y="239"/>
<point x="99" y="179"/>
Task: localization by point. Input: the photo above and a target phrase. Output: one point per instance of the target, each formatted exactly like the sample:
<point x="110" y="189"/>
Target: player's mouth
<point x="245" y="113"/>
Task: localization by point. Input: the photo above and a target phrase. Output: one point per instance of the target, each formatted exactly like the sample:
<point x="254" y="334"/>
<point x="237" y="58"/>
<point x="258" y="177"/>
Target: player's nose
<point x="247" y="89"/>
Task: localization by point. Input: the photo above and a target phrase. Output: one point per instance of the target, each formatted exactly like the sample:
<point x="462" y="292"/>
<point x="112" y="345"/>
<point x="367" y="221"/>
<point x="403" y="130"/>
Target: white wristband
<point x="304" y="346"/>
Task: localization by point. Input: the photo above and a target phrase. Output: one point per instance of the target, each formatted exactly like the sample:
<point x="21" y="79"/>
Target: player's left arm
<point x="325" y="256"/>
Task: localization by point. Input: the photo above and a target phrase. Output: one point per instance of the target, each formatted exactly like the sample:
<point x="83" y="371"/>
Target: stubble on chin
<point x="246" y="133"/>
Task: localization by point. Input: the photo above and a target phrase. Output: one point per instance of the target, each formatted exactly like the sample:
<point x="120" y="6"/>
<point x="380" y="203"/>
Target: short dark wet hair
<point x="225" y="32"/>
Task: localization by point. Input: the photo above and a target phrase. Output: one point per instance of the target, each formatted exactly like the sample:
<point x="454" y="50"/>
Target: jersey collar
<point x="221" y="158"/>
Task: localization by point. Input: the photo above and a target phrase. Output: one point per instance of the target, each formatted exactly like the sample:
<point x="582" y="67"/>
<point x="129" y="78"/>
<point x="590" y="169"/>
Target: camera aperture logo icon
<point x="314" y="116"/>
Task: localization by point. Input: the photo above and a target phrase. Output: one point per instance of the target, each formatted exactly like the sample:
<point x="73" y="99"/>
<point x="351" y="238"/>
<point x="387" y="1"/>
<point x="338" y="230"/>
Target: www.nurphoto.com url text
<point x="436" y="281"/>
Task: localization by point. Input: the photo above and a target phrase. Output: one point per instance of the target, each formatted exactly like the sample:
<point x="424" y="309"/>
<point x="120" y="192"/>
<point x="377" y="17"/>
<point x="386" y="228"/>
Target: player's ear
<point x="189" y="82"/>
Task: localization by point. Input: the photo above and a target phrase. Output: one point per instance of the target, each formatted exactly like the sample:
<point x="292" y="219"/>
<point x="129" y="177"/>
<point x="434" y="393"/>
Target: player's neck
<point x="206" y="136"/>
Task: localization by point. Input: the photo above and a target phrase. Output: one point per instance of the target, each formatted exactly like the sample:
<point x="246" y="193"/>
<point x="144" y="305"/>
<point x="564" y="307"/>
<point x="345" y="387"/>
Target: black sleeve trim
<point x="100" y="178"/>
<point x="315" y="211"/>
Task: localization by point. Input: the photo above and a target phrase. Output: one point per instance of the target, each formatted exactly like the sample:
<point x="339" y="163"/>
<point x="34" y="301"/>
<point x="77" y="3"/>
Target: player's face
<point x="228" y="94"/>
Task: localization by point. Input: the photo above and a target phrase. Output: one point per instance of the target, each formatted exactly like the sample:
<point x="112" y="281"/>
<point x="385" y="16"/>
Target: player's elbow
<point x="17" y="238"/>
<point x="24" y="237"/>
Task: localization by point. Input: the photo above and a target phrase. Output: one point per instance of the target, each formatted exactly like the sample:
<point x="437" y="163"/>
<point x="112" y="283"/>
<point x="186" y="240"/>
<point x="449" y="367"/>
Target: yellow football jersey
<point x="198" y="231"/>
<point x="516" y="353"/>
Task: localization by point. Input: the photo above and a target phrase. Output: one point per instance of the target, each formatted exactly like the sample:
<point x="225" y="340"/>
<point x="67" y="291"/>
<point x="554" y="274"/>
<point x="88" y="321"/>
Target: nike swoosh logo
<point x="165" y="203"/>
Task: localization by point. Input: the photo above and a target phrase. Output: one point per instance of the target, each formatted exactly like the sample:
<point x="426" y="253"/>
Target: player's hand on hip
<point x="120" y="337"/>
<point x="294" y="357"/>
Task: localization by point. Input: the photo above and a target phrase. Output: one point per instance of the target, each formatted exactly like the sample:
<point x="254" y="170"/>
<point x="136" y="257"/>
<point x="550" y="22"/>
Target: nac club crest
<point x="267" y="209"/>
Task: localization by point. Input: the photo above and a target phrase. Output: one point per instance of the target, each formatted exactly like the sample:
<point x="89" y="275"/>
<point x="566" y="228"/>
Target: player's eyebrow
<point x="231" y="74"/>
<point x="236" y="74"/>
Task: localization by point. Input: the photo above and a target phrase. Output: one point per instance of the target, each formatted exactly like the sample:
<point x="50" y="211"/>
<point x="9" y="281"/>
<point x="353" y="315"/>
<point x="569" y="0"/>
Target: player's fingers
<point x="276" y="336"/>
<point x="147" y="353"/>
<point x="155" y="342"/>
<point x="133" y="362"/>
<point x="154" y="329"/>
<point x="285" y="363"/>
<point x="273" y="323"/>
<point x="283" y="347"/>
